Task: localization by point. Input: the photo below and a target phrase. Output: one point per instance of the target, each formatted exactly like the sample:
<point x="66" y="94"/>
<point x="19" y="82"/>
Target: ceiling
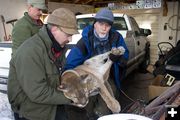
<point x="97" y="3"/>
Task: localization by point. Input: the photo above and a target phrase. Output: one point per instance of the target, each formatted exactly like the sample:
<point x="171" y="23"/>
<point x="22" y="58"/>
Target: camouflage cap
<point x="40" y="4"/>
<point x="65" y="19"/>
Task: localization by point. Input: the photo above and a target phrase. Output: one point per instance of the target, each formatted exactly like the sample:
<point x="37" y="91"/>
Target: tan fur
<point x="90" y="79"/>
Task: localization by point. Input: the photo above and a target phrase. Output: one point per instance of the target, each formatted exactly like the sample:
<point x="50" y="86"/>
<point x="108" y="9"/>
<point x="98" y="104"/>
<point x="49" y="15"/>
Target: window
<point x="135" y="25"/>
<point x="119" y="23"/>
<point x="83" y="22"/>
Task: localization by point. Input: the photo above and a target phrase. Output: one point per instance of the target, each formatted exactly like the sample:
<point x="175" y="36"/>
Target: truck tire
<point x="143" y="66"/>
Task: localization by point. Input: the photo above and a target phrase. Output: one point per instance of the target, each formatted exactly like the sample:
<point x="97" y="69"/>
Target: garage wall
<point x="73" y="7"/>
<point x="151" y="21"/>
<point x="10" y="9"/>
<point x="178" y="33"/>
<point x="154" y="20"/>
<point x="170" y="35"/>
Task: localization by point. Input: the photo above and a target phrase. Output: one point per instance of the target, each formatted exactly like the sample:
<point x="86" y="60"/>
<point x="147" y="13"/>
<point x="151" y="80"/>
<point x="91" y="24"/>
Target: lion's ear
<point x="84" y="78"/>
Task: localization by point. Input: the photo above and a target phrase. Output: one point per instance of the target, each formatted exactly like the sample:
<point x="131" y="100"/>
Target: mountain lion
<point x="90" y="79"/>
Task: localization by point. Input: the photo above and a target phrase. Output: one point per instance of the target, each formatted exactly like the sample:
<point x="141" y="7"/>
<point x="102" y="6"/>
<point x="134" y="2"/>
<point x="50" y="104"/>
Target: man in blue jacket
<point x="98" y="39"/>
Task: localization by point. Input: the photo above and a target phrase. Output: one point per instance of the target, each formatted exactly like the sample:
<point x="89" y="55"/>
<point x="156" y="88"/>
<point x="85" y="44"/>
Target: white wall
<point x="150" y="21"/>
<point x="178" y="33"/>
<point x="148" y="18"/>
<point x="154" y="19"/>
<point x="164" y="35"/>
<point x="10" y="9"/>
<point x="73" y="7"/>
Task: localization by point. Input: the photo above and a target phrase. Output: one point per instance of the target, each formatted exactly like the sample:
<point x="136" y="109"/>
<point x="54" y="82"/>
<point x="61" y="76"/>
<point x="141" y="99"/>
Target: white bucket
<point x="123" y="117"/>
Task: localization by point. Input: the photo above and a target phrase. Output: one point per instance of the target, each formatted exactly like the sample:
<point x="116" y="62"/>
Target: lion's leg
<point x="111" y="102"/>
<point x="108" y="86"/>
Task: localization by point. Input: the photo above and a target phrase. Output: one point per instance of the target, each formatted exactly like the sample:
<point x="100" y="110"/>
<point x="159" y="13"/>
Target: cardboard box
<point x="155" y="89"/>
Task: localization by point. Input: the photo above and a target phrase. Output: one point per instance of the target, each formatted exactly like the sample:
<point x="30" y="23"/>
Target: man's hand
<point x="118" y="51"/>
<point x="116" y="54"/>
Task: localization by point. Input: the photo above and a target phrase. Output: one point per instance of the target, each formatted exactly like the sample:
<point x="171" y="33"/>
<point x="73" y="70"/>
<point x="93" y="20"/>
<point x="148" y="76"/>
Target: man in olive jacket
<point x="36" y="67"/>
<point x="29" y="24"/>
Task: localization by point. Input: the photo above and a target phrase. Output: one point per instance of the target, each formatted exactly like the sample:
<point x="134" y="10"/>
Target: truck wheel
<point x="143" y="66"/>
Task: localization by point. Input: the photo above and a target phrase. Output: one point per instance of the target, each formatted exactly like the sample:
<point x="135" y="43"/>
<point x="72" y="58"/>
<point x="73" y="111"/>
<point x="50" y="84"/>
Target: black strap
<point x="81" y="45"/>
<point x="114" y="37"/>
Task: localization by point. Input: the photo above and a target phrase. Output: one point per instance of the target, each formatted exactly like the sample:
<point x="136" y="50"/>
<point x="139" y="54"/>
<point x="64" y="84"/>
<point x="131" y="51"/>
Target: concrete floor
<point x="135" y="86"/>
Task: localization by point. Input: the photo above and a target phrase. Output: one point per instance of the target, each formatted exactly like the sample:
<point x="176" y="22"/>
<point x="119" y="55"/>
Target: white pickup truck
<point x="135" y="38"/>
<point x="5" y="56"/>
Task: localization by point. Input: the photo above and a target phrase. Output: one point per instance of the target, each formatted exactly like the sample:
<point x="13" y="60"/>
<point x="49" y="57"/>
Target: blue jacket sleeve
<point x="74" y="58"/>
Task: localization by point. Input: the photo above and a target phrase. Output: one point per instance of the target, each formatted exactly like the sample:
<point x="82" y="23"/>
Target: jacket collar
<point x="43" y="34"/>
<point x="37" y="23"/>
<point x="47" y="40"/>
<point x="55" y="45"/>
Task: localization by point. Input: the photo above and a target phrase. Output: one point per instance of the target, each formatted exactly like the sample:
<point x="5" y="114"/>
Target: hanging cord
<point x="172" y="18"/>
<point x="140" y="103"/>
<point x="135" y="107"/>
<point x="127" y="96"/>
<point x="171" y="27"/>
<point x="129" y="105"/>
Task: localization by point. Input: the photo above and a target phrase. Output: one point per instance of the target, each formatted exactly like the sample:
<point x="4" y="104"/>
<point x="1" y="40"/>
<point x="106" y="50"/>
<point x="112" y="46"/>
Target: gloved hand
<point x="118" y="58"/>
<point x="118" y="51"/>
<point x="114" y="58"/>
